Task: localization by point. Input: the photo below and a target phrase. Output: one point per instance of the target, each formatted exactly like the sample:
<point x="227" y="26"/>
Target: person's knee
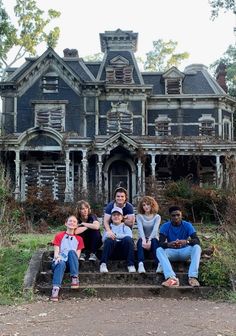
<point x="159" y="251"/>
<point x="197" y="249"/>
<point x="71" y="253"/>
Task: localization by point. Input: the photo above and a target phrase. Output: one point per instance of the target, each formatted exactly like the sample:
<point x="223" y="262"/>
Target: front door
<point x="119" y="176"/>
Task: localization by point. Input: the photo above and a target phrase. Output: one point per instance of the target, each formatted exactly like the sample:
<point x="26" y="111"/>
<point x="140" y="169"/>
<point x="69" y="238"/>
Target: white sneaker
<point x="159" y="269"/>
<point x="92" y="257"/>
<point x="82" y="257"/>
<point x="141" y="268"/>
<point x="103" y="268"/>
<point x="131" y="269"/>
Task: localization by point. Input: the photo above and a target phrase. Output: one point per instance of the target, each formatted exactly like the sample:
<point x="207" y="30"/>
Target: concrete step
<point x="126" y="290"/>
<point x="149" y="278"/>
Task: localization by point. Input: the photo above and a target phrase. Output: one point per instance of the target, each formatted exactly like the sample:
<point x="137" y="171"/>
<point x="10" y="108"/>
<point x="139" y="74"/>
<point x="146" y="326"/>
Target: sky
<point x="184" y="21"/>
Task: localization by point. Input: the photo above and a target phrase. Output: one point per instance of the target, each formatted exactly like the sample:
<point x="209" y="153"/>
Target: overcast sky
<point x="185" y="21"/>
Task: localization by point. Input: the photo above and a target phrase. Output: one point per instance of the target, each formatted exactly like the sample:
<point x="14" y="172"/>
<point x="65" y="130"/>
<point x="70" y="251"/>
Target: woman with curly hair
<point x="89" y="230"/>
<point x="148" y="222"/>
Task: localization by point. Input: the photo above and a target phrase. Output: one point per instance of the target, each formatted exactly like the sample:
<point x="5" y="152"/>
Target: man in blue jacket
<point x="178" y="241"/>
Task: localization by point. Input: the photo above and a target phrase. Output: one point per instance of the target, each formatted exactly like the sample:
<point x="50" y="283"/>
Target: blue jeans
<point x="60" y="267"/>
<point x="141" y="251"/>
<point x="122" y="249"/>
<point x="169" y="254"/>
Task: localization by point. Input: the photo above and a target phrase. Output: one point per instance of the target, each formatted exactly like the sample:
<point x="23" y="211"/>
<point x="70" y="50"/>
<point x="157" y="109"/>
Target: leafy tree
<point x="217" y="5"/>
<point x="229" y="60"/>
<point x="28" y="33"/>
<point x="93" y="58"/>
<point x="163" y="56"/>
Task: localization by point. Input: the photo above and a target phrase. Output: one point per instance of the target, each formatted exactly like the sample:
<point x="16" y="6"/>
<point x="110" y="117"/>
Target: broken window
<point x="119" y="71"/>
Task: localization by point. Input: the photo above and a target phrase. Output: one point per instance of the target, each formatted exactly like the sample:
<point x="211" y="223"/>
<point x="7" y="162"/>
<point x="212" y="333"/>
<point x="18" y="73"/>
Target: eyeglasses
<point x="175" y="215"/>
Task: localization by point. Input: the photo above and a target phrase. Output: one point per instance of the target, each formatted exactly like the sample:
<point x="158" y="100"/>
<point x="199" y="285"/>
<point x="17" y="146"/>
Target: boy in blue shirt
<point x="178" y="241"/>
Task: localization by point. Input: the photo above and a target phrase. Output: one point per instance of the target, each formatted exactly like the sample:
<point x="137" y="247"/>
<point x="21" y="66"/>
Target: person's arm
<point x="163" y="242"/>
<point x="140" y="228"/>
<point x="194" y="239"/>
<point x="78" y="252"/>
<point x="106" y="223"/>
<point x="156" y="224"/>
<point x="129" y="220"/>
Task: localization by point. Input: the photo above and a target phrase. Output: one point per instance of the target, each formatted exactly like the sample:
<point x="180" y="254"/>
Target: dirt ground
<point x="117" y="317"/>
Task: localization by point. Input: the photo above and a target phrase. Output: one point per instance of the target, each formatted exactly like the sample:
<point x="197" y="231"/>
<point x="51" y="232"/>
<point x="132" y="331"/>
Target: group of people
<point x="174" y="240"/>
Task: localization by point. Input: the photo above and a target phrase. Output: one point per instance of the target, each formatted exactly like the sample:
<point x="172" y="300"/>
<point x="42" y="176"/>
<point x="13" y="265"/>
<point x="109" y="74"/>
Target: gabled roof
<point x="33" y="69"/>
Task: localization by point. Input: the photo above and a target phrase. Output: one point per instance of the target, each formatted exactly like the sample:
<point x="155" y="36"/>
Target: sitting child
<point x="120" y="246"/>
<point x="67" y="249"/>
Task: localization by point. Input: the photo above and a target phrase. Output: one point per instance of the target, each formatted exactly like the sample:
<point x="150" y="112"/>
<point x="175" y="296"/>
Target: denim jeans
<point x="141" y="251"/>
<point x="122" y="249"/>
<point x="59" y="268"/>
<point x="169" y="254"/>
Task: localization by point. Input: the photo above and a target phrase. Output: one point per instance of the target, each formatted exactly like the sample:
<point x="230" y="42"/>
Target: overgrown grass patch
<point x="14" y="262"/>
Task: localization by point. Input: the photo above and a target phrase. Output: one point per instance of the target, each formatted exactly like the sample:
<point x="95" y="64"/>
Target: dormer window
<point x="173" y="86"/>
<point x="119" y="71"/>
<point x="50" y="83"/>
<point x="162" y="126"/>
<point x="207" y="125"/>
<point x="173" y="79"/>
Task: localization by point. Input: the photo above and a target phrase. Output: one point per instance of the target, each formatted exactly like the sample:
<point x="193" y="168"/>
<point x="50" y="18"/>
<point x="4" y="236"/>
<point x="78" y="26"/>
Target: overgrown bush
<point x="198" y="203"/>
<point x="216" y="271"/>
<point x="10" y="212"/>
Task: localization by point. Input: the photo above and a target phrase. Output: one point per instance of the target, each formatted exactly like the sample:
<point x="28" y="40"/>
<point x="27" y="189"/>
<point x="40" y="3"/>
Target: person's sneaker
<point x="159" y="269"/>
<point x="103" y="268"/>
<point x="74" y="283"/>
<point x="92" y="257"/>
<point x="171" y="282"/>
<point x="82" y="257"/>
<point x="54" y="295"/>
<point x="141" y="268"/>
<point x="131" y="269"/>
<point x="193" y="282"/>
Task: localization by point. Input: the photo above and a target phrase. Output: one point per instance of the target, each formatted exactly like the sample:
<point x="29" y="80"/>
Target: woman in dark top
<point x="89" y="230"/>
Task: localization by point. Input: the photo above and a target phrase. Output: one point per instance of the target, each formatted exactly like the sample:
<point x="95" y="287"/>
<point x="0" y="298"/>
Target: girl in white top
<point x="148" y="222"/>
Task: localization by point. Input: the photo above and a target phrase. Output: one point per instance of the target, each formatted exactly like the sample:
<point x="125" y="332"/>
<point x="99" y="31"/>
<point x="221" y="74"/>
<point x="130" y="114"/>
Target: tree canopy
<point x="217" y="5"/>
<point x="229" y="60"/>
<point x="163" y="56"/>
<point x="30" y="31"/>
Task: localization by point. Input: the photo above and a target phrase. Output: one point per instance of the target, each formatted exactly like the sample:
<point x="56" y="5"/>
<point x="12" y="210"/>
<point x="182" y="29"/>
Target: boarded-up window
<point x="207" y="128"/>
<point x="119" y="118"/>
<point x="119" y="74"/>
<point x="162" y="126"/>
<point x="50" y="115"/>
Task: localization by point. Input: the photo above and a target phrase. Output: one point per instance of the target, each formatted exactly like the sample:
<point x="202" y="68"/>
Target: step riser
<point x="131" y="292"/>
<point x="119" y="266"/>
<point x="115" y="278"/>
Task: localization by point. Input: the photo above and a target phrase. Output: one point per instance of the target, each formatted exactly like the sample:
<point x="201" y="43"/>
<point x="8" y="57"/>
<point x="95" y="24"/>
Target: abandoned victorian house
<point x="75" y="126"/>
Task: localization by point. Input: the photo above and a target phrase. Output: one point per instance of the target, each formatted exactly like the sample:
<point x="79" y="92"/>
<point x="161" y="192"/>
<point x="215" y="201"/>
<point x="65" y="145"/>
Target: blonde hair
<point x="150" y="201"/>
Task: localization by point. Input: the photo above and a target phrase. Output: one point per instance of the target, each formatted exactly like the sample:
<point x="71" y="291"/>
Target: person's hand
<point x="111" y="234"/>
<point x="57" y="259"/>
<point x="172" y="244"/>
<point x="180" y="242"/>
<point x="146" y="245"/>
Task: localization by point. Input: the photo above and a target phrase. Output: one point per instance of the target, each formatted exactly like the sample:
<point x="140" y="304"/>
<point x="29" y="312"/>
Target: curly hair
<point x="79" y="206"/>
<point x="148" y="200"/>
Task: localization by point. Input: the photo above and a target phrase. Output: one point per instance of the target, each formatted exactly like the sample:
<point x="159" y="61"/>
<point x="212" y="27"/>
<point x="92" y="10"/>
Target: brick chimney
<point x="220" y="76"/>
<point x="70" y="53"/>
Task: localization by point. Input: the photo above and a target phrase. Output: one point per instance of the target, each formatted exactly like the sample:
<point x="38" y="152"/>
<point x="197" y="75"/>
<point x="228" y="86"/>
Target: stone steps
<point x="118" y="282"/>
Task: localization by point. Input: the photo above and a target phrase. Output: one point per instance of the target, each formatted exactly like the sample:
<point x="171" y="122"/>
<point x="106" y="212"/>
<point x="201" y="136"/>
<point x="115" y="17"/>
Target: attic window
<point x="173" y="85"/>
<point x="50" y="83"/>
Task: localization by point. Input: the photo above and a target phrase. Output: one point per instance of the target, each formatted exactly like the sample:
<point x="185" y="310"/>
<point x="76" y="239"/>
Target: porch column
<point x="84" y="162"/>
<point x="139" y="165"/>
<point x="99" y="176"/>
<point x="17" y="176"/>
<point x="153" y="165"/>
<point x="218" y="172"/>
<point x="68" y="196"/>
